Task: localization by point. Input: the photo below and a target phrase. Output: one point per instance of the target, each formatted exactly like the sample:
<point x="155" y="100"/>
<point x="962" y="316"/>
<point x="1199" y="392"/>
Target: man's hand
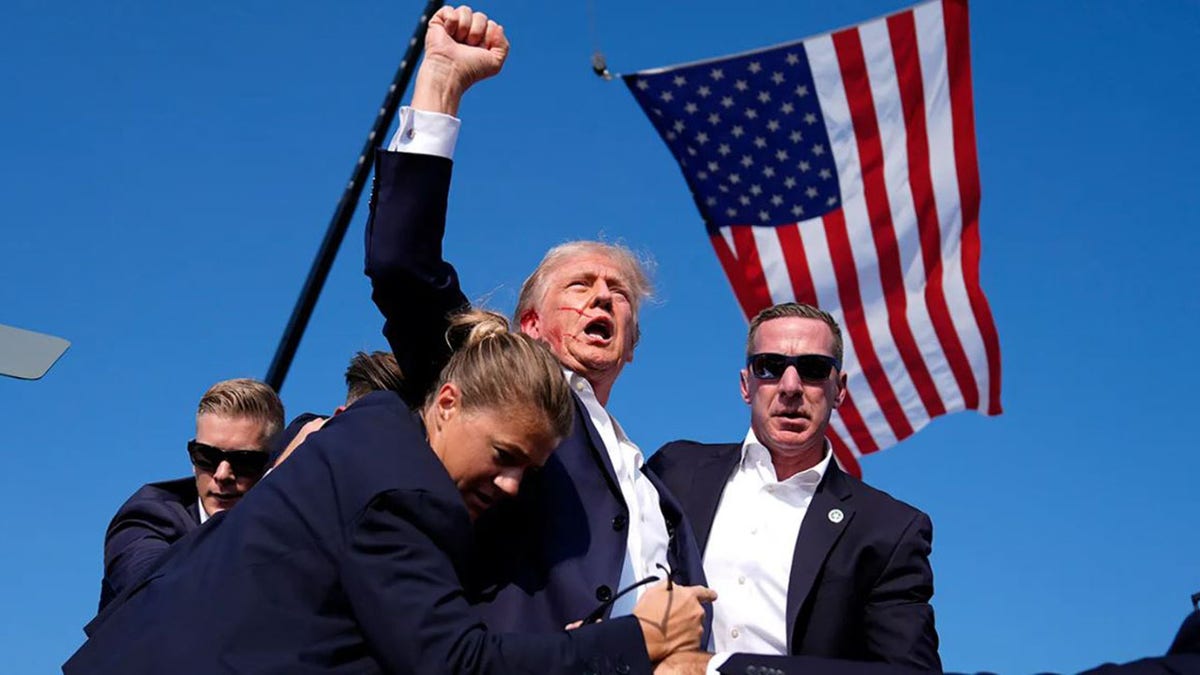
<point x="672" y="618"/>
<point x="462" y="47"/>
<point x="309" y="427"/>
<point x="684" y="663"/>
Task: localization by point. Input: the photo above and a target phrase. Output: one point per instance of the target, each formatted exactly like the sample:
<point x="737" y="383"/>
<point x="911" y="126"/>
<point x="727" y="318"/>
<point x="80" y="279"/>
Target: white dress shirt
<point x="203" y="514"/>
<point x="647" y="540"/>
<point x="748" y="559"/>
<point x="426" y="133"/>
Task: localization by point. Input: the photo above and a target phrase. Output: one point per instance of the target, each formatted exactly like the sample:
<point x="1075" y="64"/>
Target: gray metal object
<point x="27" y="355"/>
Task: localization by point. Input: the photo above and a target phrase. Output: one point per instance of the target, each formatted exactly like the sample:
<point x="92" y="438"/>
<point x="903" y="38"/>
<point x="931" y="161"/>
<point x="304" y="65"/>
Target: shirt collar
<point x="583" y="389"/>
<point x="203" y="514"/>
<point x="754" y="453"/>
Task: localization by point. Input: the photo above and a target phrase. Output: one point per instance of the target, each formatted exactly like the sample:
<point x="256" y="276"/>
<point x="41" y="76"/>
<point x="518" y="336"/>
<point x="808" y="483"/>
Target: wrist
<point x="437" y="88"/>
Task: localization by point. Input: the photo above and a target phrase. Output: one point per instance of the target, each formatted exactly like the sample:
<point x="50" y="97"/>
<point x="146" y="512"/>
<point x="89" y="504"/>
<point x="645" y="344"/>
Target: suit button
<point x="604" y="594"/>
<point x="619" y="522"/>
<point x="623" y="668"/>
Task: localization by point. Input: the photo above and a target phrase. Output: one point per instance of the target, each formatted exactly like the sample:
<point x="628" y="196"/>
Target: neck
<point x="792" y="463"/>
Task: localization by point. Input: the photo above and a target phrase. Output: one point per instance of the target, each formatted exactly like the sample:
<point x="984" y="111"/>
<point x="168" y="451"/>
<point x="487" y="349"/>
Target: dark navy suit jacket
<point x="156" y="516"/>
<point x="554" y="553"/>
<point x="1183" y="658"/>
<point x="346" y="559"/>
<point x="859" y="587"/>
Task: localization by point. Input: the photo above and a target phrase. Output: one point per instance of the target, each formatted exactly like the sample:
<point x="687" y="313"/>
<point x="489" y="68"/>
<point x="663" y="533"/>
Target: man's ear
<point x="744" y="376"/>
<point x="841" y="395"/>
<point x="531" y="324"/>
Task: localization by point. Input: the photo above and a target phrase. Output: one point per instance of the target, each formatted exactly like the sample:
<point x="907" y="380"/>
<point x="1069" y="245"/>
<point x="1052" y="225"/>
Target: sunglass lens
<point x="204" y="457"/>
<point x="768" y="366"/>
<point x="813" y="367"/>
<point x="249" y="463"/>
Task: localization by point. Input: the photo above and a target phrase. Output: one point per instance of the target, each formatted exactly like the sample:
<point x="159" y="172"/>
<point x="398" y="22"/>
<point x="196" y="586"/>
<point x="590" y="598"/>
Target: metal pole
<point x="345" y="208"/>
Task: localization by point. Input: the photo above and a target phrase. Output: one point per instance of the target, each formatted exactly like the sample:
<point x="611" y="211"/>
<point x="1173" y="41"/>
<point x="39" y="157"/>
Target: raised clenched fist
<point x="462" y="47"/>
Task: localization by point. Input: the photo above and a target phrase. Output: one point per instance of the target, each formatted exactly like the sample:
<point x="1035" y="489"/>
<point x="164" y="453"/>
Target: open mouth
<point x="600" y="328"/>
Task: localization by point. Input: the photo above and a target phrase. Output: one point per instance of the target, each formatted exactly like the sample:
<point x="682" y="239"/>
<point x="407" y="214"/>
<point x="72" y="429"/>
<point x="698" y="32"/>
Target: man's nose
<point x="602" y="295"/>
<point x="224" y="471"/>
<point x="509" y="481"/>
<point x="791" y="383"/>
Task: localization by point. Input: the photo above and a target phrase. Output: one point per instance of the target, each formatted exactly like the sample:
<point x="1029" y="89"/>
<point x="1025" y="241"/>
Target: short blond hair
<point x="244" y="397"/>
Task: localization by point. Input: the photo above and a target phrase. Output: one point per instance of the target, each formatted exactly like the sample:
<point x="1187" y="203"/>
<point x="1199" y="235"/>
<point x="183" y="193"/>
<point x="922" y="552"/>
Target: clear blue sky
<point x="168" y="170"/>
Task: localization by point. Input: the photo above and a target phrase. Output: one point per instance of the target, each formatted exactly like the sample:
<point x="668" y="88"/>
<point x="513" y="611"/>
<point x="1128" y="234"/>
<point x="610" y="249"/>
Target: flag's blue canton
<point x="749" y="135"/>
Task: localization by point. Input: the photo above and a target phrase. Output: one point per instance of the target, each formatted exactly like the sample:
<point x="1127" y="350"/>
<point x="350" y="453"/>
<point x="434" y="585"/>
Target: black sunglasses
<point x="598" y="613"/>
<point x="811" y="367"/>
<point x="248" y="463"/>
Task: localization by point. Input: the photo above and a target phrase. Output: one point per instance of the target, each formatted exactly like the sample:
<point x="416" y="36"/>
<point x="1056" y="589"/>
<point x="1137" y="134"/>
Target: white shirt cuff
<point x="716" y="661"/>
<point x="426" y="133"/>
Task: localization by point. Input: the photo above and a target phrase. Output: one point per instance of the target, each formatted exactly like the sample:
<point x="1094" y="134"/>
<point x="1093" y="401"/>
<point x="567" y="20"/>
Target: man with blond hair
<point x="591" y="522"/>
<point x="234" y="423"/>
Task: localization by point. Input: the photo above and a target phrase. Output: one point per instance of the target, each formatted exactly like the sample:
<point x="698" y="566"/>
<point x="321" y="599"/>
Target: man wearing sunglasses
<point x="234" y="422"/>
<point x="808" y="560"/>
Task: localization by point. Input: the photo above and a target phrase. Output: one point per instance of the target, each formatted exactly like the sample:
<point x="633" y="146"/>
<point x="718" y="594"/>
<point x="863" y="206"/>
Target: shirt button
<point x="411" y="134"/>
<point x="771" y="488"/>
<point x="579" y="386"/>
<point x="742" y="579"/>
<point x="734" y="633"/>
<point x="754" y="530"/>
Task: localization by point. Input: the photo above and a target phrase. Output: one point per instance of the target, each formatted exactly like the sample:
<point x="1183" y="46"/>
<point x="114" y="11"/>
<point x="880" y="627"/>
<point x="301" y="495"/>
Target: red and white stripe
<point x="898" y="264"/>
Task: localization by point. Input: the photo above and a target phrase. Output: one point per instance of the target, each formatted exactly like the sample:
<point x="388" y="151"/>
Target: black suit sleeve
<point x="756" y="664"/>
<point x="412" y="286"/>
<point x="898" y="618"/>
<point x="410" y="605"/>
<point x="139" y="534"/>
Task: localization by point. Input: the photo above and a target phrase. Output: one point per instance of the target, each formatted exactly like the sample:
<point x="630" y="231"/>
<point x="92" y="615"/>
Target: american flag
<point x="840" y="171"/>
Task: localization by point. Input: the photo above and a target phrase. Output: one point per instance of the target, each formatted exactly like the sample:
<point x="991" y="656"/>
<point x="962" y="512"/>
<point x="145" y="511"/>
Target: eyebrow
<point x="516" y="451"/>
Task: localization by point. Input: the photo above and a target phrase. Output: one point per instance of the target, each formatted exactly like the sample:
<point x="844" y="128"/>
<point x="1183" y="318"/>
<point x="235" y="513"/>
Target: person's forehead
<point x="794" y="335"/>
<point x="217" y="427"/>
<point x="591" y="264"/>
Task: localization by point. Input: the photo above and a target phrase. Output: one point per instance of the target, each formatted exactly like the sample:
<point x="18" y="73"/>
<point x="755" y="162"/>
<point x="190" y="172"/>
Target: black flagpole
<point x="345" y="208"/>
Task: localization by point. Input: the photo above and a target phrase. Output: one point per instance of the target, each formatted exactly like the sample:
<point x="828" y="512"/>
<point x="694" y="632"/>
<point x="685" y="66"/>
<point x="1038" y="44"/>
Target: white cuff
<point x="716" y="661"/>
<point x="426" y="133"/>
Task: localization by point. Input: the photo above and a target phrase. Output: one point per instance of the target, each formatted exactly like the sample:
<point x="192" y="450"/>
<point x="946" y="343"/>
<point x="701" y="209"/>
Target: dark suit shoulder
<point x="163" y="501"/>
<point x="676" y="454"/>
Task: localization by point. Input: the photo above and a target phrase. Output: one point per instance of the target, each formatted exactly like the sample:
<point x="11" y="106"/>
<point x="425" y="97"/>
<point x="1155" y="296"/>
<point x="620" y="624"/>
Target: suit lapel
<point x="598" y="449"/>
<point x="818" y="535"/>
<point x="708" y="484"/>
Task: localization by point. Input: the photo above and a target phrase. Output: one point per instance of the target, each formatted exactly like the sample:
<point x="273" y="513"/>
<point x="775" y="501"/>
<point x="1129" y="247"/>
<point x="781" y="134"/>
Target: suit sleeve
<point x="410" y="605"/>
<point x="412" y="286"/>
<point x="138" y="535"/>
<point x="757" y="664"/>
<point x="898" y="618"/>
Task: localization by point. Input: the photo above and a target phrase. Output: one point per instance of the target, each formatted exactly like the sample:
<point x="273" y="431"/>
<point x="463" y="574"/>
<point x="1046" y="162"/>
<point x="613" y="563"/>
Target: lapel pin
<point x="835" y="516"/>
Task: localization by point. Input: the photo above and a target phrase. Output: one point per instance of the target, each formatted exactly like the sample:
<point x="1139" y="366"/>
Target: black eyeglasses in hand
<point x="599" y="612"/>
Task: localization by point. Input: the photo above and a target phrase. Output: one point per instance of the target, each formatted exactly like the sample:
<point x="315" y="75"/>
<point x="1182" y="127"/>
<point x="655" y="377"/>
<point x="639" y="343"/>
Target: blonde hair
<point x="495" y="367"/>
<point x="244" y="397"/>
<point x="633" y="272"/>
